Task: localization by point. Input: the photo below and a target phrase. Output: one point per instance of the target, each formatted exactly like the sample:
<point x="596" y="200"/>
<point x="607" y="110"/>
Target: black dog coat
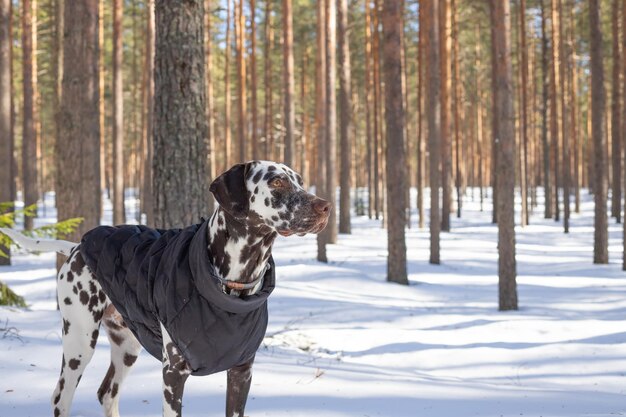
<point x="164" y="276"/>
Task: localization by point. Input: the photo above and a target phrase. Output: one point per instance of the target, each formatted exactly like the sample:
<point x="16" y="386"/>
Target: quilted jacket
<point x="164" y="276"/>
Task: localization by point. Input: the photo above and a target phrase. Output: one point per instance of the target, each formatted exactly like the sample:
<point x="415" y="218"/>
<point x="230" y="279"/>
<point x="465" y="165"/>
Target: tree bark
<point x="267" y="123"/>
<point x="29" y="131"/>
<point x="432" y="82"/>
<point x="547" y="183"/>
<point x="320" y="110"/>
<point x="524" y="112"/>
<point x="616" y="136"/>
<point x="180" y="126"/>
<point x="598" y="105"/>
<point x="420" y="119"/>
<point x="254" y="135"/>
<point x="147" y="198"/>
<point x="6" y="137"/>
<point x="78" y="149"/>
<point x="288" y="74"/>
<point x="119" y="215"/>
<point x="345" y="105"/>
<point x="227" y="100"/>
<point x="566" y="110"/>
<point x="242" y="103"/>
<point x="556" y="126"/>
<point x="501" y="22"/>
<point x="331" y="118"/>
<point x="445" y="18"/>
<point x="395" y="152"/>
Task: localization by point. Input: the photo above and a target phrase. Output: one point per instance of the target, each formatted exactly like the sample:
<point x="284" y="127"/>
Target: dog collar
<point x="239" y="286"/>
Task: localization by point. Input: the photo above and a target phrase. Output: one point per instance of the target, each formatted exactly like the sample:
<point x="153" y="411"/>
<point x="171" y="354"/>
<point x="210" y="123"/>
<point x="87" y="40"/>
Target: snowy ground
<point x="343" y="342"/>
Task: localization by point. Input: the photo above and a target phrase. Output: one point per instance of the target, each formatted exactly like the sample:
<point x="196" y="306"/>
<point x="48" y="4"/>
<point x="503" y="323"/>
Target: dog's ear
<point x="231" y="192"/>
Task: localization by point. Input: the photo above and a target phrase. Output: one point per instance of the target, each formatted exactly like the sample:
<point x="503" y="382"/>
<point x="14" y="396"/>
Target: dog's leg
<point x="238" y="386"/>
<point x="82" y="304"/>
<point x="124" y="351"/>
<point x="175" y="373"/>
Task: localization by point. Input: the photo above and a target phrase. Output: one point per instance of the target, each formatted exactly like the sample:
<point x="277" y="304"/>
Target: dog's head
<point x="270" y="194"/>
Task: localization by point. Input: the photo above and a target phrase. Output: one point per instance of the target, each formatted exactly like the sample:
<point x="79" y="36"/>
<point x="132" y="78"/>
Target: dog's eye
<point x="276" y="182"/>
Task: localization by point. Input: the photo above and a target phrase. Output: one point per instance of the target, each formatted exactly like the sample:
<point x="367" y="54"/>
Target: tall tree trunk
<point x="494" y="125"/>
<point x="456" y="62"/>
<point x="210" y="103"/>
<point x="104" y="157"/>
<point x="395" y="155"/>
<point x="566" y="110"/>
<point x="180" y="127"/>
<point x="345" y="104"/>
<point x="267" y="122"/>
<point x="331" y="117"/>
<point x="420" y="119"/>
<point x="524" y="112"/>
<point x="119" y="216"/>
<point x="616" y="137"/>
<point x="479" y="118"/>
<point x="598" y="106"/>
<point x="147" y="197"/>
<point x="624" y="127"/>
<point x="240" y="36"/>
<point x="445" y="19"/>
<point x="432" y="82"/>
<point x="501" y="22"/>
<point x="227" y="103"/>
<point x="254" y="136"/>
<point x="29" y="131"/>
<point x="320" y="110"/>
<point x="547" y="184"/>
<point x="6" y="138"/>
<point x="368" y="110"/>
<point x="79" y="141"/>
<point x="288" y="74"/>
<point x="555" y="110"/>
<point x="376" y="108"/>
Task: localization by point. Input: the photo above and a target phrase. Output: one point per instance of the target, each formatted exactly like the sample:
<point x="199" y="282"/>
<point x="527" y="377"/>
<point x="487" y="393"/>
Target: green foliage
<point x="9" y="298"/>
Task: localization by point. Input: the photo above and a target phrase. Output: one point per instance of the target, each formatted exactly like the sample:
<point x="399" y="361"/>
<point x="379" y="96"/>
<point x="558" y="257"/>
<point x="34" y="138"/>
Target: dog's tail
<point x="39" y="245"/>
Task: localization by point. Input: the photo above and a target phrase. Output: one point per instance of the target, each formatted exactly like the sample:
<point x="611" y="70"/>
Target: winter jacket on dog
<point x="164" y="276"/>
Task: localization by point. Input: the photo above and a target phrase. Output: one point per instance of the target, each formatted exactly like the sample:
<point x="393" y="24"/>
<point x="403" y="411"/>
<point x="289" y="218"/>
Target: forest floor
<point x="343" y="342"/>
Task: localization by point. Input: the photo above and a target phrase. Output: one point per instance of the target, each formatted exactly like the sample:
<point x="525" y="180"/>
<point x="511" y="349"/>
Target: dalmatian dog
<point x="257" y="201"/>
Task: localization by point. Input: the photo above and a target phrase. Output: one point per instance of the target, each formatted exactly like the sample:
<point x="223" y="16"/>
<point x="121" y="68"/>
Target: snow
<point x="344" y="342"/>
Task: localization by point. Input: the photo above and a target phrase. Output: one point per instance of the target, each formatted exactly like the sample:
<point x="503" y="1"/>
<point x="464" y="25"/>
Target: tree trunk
<point x="320" y="110"/>
<point x="616" y="137"/>
<point x="79" y="141"/>
<point x="445" y="18"/>
<point x="566" y="110"/>
<point x="556" y="125"/>
<point x="290" y="143"/>
<point x="420" y="119"/>
<point x="345" y="105"/>
<point x="267" y="123"/>
<point x="6" y="138"/>
<point x="456" y="62"/>
<point x="147" y="197"/>
<point x="227" y="100"/>
<point x="254" y="136"/>
<point x="395" y="155"/>
<point x="547" y="183"/>
<point x="180" y="127"/>
<point x="29" y="133"/>
<point x="501" y="22"/>
<point x="524" y="112"/>
<point x="331" y="118"/>
<point x="624" y="128"/>
<point x="432" y="82"/>
<point x="119" y="216"/>
<point x="368" y="110"/>
<point x="240" y="37"/>
<point x="598" y="105"/>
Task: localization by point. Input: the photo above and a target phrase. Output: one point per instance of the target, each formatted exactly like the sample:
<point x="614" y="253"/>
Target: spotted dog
<point x="256" y="202"/>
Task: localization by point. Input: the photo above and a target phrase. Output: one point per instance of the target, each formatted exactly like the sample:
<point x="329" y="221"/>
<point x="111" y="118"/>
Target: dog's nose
<point x="321" y="206"/>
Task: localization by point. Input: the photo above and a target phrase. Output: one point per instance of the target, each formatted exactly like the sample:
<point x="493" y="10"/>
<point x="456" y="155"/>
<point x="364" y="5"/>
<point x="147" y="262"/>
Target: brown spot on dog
<point x="78" y="264"/>
<point x="70" y="276"/>
<point x="102" y="296"/>
<point x="57" y="412"/>
<point x="116" y="338"/>
<point x="79" y="285"/>
<point x="84" y="297"/>
<point x="94" y="338"/>
<point x="74" y="363"/>
<point x="74" y="289"/>
<point x="256" y="189"/>
<point x="267" y="202"/>
<point x="57" y="398"/>
<point x="114" y="389"/>
<point x="92" y="287"/>
<point x="257" y="177"/>
<point x="67" y="301"/>
<point x="93" y="302"/>
<point x="66" y="326"/>
<point x="97" y="315"/>
<point x="129" y="359"/>
<point x="106" y="383"/>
